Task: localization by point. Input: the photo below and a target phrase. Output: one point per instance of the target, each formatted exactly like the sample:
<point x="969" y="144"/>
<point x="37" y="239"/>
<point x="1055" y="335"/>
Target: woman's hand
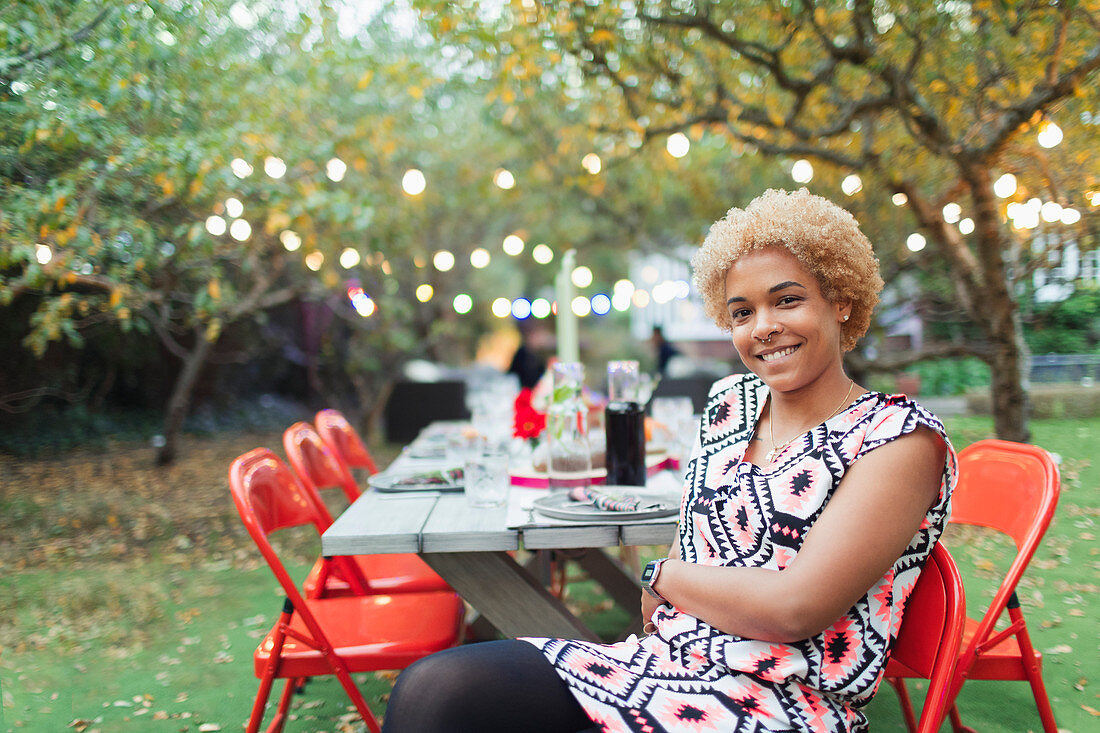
<point x="649" y="605"/>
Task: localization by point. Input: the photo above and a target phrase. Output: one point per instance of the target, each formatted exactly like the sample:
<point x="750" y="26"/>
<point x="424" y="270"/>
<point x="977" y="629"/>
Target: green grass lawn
<point x="101" y="639"/>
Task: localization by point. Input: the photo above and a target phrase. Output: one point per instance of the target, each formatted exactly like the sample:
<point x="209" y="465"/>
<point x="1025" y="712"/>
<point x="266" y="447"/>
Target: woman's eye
<point x="739" y="313"/>
<point x="788" y="299"/>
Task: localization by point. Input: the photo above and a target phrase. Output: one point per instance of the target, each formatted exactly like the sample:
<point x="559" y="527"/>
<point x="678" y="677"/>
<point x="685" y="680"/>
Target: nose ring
<point x="766" y="340"/>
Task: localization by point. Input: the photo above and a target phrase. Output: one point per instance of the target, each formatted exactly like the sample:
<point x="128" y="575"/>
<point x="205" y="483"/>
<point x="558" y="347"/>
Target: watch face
<point x="650" y="571"/>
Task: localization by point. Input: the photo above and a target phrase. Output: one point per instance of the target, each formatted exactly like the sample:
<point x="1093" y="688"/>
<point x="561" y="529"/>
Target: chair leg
<point x="1034" y="672"/>
<point x="356" y="697"/>
<point x="956" y="721"/>
<point x="284" y="706"/>
<point x="268" y="678"/>
<point x="906" y="705"/>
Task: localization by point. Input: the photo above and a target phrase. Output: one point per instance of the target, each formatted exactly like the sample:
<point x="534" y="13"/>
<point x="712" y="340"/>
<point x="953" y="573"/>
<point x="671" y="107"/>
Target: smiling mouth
<point x="778" y="354"/>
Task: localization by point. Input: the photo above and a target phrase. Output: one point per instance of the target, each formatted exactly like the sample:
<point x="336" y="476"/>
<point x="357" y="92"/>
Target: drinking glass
<point x="485" y="475"/>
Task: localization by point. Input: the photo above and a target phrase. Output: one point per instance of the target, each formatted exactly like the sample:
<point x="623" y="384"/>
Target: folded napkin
<point x="448" y="477"/>
<point x="606" y="502"/>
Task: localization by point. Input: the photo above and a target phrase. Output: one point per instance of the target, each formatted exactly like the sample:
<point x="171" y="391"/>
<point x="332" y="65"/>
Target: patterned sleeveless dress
<point x="689" y="676"/>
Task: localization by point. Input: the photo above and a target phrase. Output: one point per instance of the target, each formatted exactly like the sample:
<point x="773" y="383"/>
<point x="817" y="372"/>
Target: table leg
<point x="507" y="595"/>
<point x="622" y="586"/>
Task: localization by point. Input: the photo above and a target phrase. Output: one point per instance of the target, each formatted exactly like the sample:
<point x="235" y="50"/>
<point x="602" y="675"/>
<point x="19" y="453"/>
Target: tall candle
<point x="568" y="349"/>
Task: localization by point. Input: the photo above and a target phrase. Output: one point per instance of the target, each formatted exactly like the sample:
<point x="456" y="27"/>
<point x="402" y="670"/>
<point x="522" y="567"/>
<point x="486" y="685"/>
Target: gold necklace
<point x="778" y="449"/>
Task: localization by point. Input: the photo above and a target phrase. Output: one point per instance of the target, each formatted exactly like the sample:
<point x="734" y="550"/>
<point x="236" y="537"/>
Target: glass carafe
<point x="624" y="425"/>
<point x="569" y="461"/>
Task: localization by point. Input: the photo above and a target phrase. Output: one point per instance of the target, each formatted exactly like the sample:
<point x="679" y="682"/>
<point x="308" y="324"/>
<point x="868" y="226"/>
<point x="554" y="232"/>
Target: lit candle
<point x="568" y="349"/>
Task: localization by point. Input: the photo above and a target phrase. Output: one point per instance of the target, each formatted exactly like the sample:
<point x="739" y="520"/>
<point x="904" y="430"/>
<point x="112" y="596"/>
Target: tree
<point x="928" y="101"/>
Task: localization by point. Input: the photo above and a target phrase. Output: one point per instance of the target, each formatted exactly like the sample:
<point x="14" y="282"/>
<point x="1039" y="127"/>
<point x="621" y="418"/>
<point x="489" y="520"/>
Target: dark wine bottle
<point x="624" y="423"/>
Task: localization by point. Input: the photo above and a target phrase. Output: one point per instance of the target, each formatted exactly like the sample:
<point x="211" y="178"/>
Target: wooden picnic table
<point x="470" y="549"/>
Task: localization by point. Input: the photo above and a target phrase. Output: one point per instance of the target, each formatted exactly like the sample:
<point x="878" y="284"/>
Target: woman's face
<point x="785" y="331"/>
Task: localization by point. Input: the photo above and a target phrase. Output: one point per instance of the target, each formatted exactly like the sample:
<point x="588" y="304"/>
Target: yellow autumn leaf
<point x="365" y="79"/>
<point x="602" y="35"/>
<point x="415" y="92"/>
<point x="41" y="135"/>
<point x="214" y="288"/>
<point x="96" y="106"/>
<point x="124" y="314"/>
<point x="939" y="86"/>
<point x="116" y="297"/>
<point x="59" y="205"/>
<point x="213" y="330"/>
<point x="43" y="231"/>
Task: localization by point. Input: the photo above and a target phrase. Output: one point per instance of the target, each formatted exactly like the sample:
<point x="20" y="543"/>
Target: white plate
<point x="425" y="480"/>
<point x="559" y="506"/>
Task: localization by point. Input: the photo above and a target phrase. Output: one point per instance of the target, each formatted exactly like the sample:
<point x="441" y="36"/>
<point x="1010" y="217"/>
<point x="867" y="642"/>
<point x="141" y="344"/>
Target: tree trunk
<point x="180" y="402"/>
<point x="1008" y="362"/>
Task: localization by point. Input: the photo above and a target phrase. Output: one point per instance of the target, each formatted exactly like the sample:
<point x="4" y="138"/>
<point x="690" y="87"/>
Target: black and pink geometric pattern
<point x="689" y="676"/>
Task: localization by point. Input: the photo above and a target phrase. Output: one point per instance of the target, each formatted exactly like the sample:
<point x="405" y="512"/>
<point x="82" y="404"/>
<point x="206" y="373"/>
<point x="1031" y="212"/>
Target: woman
<point x="810" y="504"/>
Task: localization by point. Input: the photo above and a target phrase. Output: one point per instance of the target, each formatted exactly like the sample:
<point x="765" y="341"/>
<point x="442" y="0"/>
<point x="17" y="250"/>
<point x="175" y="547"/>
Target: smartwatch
<point x="649" y="578"/>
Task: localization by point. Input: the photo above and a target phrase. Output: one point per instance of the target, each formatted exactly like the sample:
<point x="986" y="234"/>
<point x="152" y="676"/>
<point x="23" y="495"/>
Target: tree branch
<point x="10" y="65"/>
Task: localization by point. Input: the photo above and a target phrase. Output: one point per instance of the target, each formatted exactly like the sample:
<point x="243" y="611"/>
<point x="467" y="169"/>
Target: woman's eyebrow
<point x="784" y="285"/>
<point x="773" y="289"/>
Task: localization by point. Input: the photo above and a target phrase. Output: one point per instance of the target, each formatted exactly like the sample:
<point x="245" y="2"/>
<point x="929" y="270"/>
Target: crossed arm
<point x="876" y="510"/>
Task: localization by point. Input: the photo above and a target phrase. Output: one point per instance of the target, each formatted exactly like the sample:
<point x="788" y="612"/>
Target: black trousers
<point x="493" y="686"/>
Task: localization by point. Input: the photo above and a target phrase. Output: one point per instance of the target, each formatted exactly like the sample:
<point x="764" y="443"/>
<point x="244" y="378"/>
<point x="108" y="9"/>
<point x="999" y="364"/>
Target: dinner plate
<point x="559" y="506"/>
<point x="437" y="480"/>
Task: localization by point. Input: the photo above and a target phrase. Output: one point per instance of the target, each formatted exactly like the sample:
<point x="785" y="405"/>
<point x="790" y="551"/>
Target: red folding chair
<point x="928" y="641"/>
<point x="1012" y="488"/>
<point x="344" y="441"/>
<point x="318" y="467"/>
<point x="323" y="636"/>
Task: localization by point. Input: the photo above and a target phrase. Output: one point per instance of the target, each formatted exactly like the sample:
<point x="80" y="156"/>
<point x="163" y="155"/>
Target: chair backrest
<point x="931" y="632"/>
<point x="1012" y="488"/>
<point x="339" y="435"/>
<point x="316" y="464"/>
<point x="269" y="497"/>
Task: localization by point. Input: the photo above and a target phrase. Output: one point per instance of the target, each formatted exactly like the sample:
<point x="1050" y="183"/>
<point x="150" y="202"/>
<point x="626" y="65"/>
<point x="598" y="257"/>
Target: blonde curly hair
<point x="824" y="238"/>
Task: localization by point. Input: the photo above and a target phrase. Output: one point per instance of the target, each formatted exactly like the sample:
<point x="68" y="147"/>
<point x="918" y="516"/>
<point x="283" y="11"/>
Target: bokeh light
<point x="592" y="163"/>
<point x="512" y="245"/>
<point x="581" y="276"/>
<point x="966" y="226"/>
<point x="216" y="225"/>
<point x="601" y="304"/>
<point x="413" y="182"/>
<point x="443" y="260"/>
<point x="462" y="303"/>
<point x="290" y="239"/>
<point x="952" y="212"/>
<point x="1049" y="134"/>
<point x="852" y="184"/>
<point x="424" y="292"/>
<point x="274" y="167"/>
<point x="501" y="307"/>
<point x="802" y="171"/>
<point x="542" y="254"/>
<point x="240" y="230"/>
<point x="581" y="306"/>
<point x="899" y="199"/>
<point x="504" y="179"/>
<point x="240" y="168"/>
<point x="234" y="208"/>
<point x="677" y="145"/>
<point x="1005" y="186"/>
<point x="42" y="253"/>
<point x="521" y="308"/>
<point x="335" y="169"/>
<point x="915" y="242"/>
<point x="314" y="260"/>
<point x="540" y="307"/>
<point x="640" y="298"/>
<point x="349" y="258"/>
<point x="480" y="258"/>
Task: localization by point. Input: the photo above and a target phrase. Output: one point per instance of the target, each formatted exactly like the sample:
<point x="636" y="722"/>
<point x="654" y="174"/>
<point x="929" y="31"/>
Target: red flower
<point x="528" y="422"/>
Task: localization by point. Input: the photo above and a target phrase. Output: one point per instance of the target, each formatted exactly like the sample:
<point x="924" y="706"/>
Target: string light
<point x="504" y="179"/>
<point x="216" y="225"/>
<point x="290" y="239"/>
<point x="501" y="307"/>
<point x="512" y="245"/>
<point x="1005" y="186"/>
<point x="542" y="254"/>
<point x="540" y="308"/>
<point x="851" y="185"/>
<point x="443" y="260"/>
<point x="349" y="258"/>
<point x="274" y="167"/>
<point x="480" y="258"/>
<point x="335" y="169"/>
<point x="915" y="242"/>
<point x="234" y="208"/>
<point x="240" y="168"/>
<point x="240" y="230"/>
<point x="462" y="303"/>
<point x="592" y="163"/>
<point x="581" y="276"/>
<point x="677" y="145"/>
<point x="802" y="171"/>
<point x="413" y="182"/>
<point x="521" y="309"/>
<point x="424" y="292"/>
